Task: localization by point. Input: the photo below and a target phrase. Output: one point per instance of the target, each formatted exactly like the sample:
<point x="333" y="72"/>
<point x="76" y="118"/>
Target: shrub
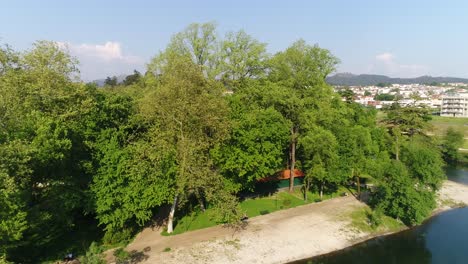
<point x="167" y="249"/>
<point x="375" y="218"/>
<point x="115" y="237"/>
<point x="93" y="255"/>
<point x="121" y="256"/>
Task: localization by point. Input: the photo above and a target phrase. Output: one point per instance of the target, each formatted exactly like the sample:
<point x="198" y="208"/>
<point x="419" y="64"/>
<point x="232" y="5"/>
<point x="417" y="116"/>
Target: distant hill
<point x="371" y="79"/>
<point x="100" y="82"/>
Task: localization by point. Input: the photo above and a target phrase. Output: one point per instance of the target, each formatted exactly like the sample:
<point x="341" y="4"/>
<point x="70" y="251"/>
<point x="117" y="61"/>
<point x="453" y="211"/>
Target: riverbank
<point x="279" y="237"/>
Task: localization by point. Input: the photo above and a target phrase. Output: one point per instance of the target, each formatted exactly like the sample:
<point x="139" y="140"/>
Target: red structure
<point x="283" y="175"/>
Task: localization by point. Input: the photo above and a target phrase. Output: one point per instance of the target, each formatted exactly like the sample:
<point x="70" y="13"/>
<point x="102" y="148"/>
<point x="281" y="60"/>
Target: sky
<point x="395" y="38"/>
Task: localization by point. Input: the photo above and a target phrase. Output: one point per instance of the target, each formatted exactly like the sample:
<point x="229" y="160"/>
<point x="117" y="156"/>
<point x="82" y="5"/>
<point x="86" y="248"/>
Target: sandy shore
<point x="279" y="237"/>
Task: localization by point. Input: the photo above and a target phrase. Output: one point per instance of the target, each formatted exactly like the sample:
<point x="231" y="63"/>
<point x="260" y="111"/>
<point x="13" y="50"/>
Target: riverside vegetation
<point x="80" y="163"/>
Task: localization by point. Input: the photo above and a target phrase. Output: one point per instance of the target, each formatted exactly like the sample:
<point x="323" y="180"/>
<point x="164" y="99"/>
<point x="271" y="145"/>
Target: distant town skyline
<point x="393" y="38"/>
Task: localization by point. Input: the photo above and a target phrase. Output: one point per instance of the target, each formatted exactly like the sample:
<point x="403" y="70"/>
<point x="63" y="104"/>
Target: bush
<point x="117" y="237"/>
<point x="167" y="249"/>
<point x="402" y="197"/>
<point x="375" y="218"/>
<point x="93" y="255"/>
<point x="121" y="256"/>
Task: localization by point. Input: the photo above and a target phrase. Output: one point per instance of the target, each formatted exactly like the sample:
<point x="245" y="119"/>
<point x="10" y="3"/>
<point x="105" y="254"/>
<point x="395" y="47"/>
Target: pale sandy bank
<point x="279" y="237"/>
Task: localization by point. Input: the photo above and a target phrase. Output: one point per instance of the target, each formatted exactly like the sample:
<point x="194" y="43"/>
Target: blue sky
<point x="396" y="38"/>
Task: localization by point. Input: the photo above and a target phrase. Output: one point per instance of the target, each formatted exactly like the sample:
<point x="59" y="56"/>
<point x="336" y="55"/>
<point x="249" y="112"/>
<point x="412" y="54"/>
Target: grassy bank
<point x="254" y="207"/>
<point x="440" y="125"/>
<point x="368" y="221"/>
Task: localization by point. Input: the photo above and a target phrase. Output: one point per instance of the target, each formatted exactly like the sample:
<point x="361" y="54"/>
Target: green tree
<point x="8" y="59"/>
<point x="405" y="122"/>
<point x="199" y="43"/>
<point x="385" y="97"/>
<point x="132" y="78"/>
<point x="300" y="73"/>
<point x="131" y="182"/>
<point x="424" y="162"/>
<point x="347" y="94"/>
<point x="47" y="122"/>
<point x="452" y="141"/>
<point x="242" y="58"/>
<point x="256" y="147"/>
<point x="111" y="81"/>
<point x="13" y="211"/>
<point x="189" y="117"/>
<point x="401" y="197"/>
<point x="319" y="147"/>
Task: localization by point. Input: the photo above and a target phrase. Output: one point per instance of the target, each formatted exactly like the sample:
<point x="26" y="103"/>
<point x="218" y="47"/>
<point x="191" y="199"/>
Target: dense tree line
<point x="207" y="120"/>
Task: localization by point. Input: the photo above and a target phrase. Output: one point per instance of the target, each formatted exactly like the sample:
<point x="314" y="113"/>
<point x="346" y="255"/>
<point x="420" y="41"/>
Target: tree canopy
<point x="210" y="119"/>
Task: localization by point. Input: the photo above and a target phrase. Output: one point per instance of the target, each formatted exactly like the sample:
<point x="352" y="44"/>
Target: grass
<point x="440" y="124"/>
<point x="361" y="222"/>
<point x="252" y="207"/>
<point x="196" y="220"/>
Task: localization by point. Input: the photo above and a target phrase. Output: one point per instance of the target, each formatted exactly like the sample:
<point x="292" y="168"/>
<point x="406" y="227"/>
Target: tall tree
<point x="405" y="122"/>
<point x="452" y="141"/>
<point x="199" y="43"/>
<point x="189" y="117"/>
<point x="319" y="147"/>
<point x="256" y="147"/>
<point x="111" y="81"/>
<point x="132" y="78"/>
<point x="242" y="58"/>
<point x="44" y="121"/>
<point x="300" y="71"/>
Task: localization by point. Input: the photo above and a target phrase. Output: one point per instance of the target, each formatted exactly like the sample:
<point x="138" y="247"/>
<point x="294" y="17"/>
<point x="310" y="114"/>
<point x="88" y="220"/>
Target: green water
<point x="441" y="240"/>
<point x="457" y="174"/>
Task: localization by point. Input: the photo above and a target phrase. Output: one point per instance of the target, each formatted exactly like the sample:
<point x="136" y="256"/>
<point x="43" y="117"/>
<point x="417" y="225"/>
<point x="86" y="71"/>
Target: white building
<point x="454" y="105"/>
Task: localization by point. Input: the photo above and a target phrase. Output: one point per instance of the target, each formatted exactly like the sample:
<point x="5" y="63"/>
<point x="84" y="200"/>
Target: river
<point x="443" y="239"/>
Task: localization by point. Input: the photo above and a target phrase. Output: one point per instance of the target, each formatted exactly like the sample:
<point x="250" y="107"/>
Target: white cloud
<point x="386" y="57"/>
<point x="387" y="64"/>
<point x="101" y="60"/>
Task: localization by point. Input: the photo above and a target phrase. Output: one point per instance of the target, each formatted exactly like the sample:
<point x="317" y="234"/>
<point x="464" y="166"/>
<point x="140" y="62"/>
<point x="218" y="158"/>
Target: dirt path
<point x="268" y="237"/>
<point x="279" y="237"/>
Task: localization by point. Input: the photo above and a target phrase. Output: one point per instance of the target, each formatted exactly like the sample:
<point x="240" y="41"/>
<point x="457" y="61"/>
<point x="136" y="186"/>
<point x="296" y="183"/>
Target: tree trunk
<point x="358" y="188"/>
<point x="397" y="149"/>
<point x="293" y="159"/>
<point x="321" y="191"/>
<point x="200" y="200"/>
<point x="305" y="193"/>
<point x="170" y="221"/>
<point x="306" y="188"/>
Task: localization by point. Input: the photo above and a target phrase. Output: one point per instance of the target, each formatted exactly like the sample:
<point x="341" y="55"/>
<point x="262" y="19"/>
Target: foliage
<point x="131" y="182"/>
<point x="385" y="97"/>
<point x="111" y="81"/>
<point x="72" y="154"/>
<point x="188" y="117"/>
<point x="424" y="162"/>
<point x="402" y="197"/>
<point x="121" y="256"/>
<point x="93" y="255"/>
<point x="242" y="58"/>
<point x="132" y="78"/>
<point x="373" y="221"/>
<point x="256" y="147"/>
<point x="452" y="141"/>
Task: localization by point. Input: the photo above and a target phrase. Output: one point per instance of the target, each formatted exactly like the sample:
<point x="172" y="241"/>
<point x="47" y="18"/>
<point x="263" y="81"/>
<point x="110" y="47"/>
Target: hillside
<point x="371" y="79"/>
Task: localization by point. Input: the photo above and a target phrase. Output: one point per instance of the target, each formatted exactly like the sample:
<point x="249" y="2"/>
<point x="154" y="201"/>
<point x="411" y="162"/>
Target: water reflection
<point x="457" y="174"/>
<point x="443" y="239"/>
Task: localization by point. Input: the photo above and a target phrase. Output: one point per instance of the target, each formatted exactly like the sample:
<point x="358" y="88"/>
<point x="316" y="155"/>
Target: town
<point x="445" y="99"/>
